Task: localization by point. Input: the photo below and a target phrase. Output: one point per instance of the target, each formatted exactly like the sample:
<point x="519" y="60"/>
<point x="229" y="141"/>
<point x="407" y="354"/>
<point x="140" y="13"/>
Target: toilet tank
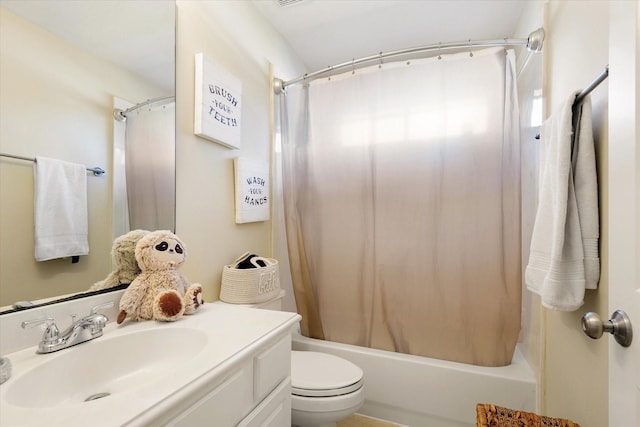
<point x="272" y="304"/>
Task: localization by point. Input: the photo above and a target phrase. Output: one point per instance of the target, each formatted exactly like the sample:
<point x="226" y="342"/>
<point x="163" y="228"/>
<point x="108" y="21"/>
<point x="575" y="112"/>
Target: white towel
<point x="585" y="181"/>
<point x="61" y="219"/>
<point x="564" y="246"/>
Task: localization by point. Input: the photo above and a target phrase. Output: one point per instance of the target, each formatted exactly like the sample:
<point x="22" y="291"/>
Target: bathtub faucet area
<point x="85" y="329"/>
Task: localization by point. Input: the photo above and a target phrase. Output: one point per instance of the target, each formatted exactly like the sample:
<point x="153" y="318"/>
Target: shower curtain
<point x="401" y="191"/>
<point x="150" y="167"/>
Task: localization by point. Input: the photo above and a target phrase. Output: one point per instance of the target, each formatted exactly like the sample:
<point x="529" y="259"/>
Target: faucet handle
<point x="107" y="304"/>
<point x="50" y="334"/>
<point x="98" y="321"/>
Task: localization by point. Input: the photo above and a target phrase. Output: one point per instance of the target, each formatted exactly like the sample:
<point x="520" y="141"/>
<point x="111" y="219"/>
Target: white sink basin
<point x="104" y="367"/>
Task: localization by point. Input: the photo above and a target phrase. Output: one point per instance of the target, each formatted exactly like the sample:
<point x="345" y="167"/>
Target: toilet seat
<point x="315" y="374"/>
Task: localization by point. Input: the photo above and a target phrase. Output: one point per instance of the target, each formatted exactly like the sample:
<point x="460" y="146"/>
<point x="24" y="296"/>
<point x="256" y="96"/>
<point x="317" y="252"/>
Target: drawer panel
<point x="274" y="410"/>
<point x="224" y="406"/>
<point x="270" y="367"/>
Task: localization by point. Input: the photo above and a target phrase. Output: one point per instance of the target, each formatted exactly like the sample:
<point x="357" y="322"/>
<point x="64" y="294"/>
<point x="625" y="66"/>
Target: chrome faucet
<point x="85" y="329"/>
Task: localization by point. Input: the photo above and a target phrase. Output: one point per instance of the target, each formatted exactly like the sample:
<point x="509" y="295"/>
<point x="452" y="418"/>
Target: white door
<point x="624" y="208"/>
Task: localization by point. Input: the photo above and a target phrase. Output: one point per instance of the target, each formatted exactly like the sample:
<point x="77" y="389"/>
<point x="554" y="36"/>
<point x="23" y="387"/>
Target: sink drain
<point x="96" y="396"/>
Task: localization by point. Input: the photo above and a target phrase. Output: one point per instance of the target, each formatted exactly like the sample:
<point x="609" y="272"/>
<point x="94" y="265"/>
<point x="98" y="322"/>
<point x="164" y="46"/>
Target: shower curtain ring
<point x="330" y="71"/>
<point x="353" y="66"/>
<point x="470" y="51"/>
<point x="439" y="50"/>
<point x="380" y="61"/>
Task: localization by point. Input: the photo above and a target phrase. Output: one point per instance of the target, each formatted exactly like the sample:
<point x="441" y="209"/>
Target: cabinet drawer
<point x="274" y="410"/>
<point x="224" y="406"/>
<point x="270" y="367"/>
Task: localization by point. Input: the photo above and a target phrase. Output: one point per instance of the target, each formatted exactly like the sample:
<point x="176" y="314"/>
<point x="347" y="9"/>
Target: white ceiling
<point x="140" y="35"/>
<point x="329" y="32"/>
<point x="136" y="35"/>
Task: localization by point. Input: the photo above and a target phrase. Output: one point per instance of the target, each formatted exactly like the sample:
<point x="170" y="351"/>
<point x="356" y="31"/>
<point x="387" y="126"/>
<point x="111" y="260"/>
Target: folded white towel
<point x="61" y="218"/>
<point x="564" y="246"/>
<point x="585" y="181"/>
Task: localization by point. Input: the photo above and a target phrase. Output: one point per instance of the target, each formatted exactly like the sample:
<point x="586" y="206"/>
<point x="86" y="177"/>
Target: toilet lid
<point x="316" y="374"/>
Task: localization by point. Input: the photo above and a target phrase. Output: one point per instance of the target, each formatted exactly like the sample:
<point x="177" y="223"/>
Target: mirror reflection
<point x="64" y="66"/>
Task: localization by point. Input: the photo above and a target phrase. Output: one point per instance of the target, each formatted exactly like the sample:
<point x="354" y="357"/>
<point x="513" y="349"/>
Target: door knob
<point x="619" y="326"/>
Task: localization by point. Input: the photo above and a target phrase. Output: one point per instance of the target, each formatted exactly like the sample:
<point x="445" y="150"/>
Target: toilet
<point x="324" y="388"/>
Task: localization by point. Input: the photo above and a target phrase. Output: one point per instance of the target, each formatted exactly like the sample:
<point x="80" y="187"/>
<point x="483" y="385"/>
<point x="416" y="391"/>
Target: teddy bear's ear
<point x="142" y="250"/>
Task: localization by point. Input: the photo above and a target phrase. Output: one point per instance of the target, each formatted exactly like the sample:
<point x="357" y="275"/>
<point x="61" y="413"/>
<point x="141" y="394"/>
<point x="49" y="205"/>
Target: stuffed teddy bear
<point x="160" y="291"/>
<point x="125" y="266"/>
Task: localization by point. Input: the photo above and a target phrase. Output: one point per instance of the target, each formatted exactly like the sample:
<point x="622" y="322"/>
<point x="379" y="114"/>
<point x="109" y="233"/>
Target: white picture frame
<point x="252" y="187"/>
<point x="218" y="103"/>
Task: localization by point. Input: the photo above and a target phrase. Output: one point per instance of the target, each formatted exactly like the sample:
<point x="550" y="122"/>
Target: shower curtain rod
<point x="97" y="171"/>
<point x="121" y="115"/>
<point x="533" y="44"/>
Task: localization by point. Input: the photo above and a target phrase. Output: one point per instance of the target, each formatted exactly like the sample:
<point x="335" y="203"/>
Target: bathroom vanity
<point x="225" y="366"/>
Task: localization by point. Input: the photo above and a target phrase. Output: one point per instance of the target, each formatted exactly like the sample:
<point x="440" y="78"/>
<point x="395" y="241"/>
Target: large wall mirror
<point x="64" y="66"/>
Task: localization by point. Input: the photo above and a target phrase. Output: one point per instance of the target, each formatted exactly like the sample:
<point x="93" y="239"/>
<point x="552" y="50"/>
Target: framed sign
<point x="218" y="106"/>
<point x="252" y="190"/>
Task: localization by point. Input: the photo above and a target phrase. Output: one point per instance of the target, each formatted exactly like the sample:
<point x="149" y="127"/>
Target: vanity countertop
<point x="229" y="333"/>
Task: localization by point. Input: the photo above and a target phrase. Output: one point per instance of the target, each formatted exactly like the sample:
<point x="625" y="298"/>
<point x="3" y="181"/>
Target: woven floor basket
<point x="251" y="285"/>
<point x="496" y="416"/>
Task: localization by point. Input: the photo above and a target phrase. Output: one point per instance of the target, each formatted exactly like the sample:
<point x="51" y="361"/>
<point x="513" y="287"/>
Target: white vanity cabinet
<point x="255" y="392"/>
<point x="250" y="387"/>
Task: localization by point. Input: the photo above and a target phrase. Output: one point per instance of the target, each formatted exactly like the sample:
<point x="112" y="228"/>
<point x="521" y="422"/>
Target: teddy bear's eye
<point x="178" y="248"/>
<point x="163" y="246"/>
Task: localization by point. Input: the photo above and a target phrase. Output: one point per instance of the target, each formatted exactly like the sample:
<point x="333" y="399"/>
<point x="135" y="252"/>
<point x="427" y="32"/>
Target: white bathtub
<point x="421" y="392"/>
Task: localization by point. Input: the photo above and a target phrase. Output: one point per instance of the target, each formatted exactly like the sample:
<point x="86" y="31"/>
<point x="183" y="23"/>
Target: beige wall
<point x="56" y="101"/>
<point x="574" y="367"/>
<point x="571" y="368"/>
<point x="237" y="38"/>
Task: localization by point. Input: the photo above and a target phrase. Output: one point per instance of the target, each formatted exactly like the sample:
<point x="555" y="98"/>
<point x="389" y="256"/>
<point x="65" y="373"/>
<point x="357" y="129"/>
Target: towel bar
<point x="97" y="171"/>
